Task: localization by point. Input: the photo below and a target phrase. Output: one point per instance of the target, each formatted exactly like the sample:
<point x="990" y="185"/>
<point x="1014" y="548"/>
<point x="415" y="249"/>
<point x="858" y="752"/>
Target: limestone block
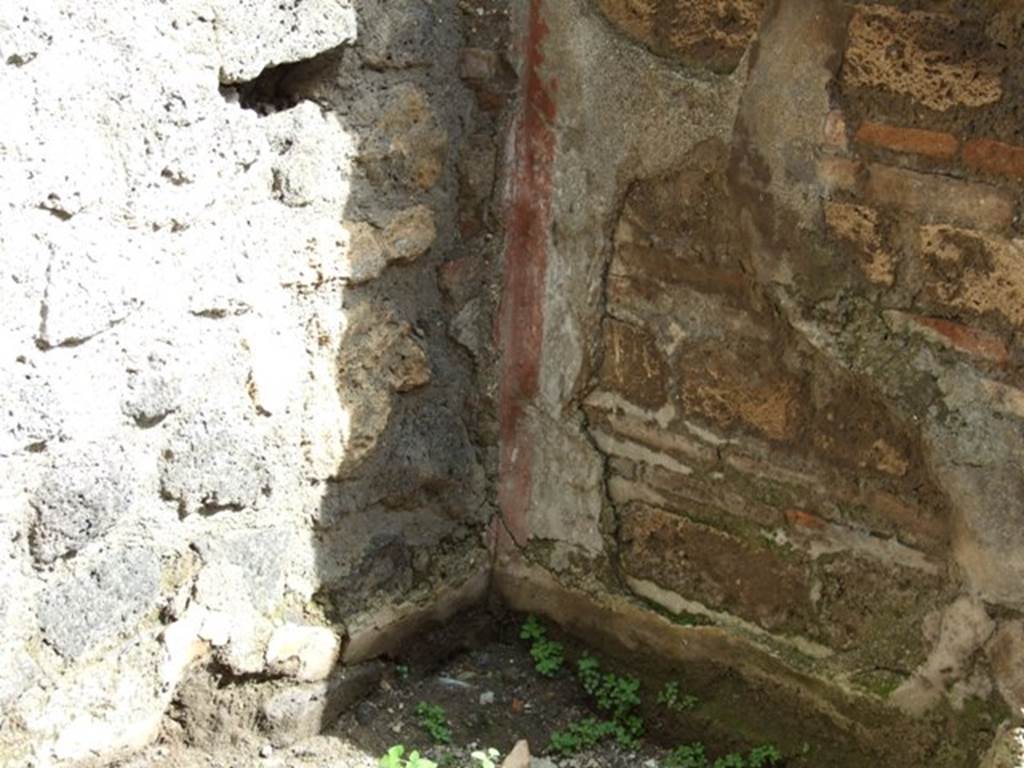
<point x="312" y="155"/>
<point x="307" y="653"/>
<point x="245" y="566"/>
<point x="256" y="34"/>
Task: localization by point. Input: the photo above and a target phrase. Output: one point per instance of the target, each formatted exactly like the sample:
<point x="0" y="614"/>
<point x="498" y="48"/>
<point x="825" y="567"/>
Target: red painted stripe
<point x="521" y="316"/>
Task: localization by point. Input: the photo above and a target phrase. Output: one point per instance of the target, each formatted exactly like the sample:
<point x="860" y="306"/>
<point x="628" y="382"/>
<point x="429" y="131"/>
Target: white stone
<point x="304" y="652"/>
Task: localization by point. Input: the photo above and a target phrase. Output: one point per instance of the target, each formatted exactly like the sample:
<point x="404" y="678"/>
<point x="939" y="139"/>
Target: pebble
<point x="266" y="750"/>
<point x="487" y="697"/>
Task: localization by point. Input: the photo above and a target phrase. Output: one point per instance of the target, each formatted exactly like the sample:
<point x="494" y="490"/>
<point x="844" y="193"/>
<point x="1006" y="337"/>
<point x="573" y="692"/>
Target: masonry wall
<point x="774" y="386"/>
<point x="244" y="432"/>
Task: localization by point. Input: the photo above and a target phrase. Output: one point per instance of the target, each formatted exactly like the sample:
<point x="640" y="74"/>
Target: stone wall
<point x="245" y="253"/>
<point x="774" y="382"/>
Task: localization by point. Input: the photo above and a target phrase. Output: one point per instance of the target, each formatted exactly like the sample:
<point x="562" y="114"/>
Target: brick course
<point x="914" y="140"/>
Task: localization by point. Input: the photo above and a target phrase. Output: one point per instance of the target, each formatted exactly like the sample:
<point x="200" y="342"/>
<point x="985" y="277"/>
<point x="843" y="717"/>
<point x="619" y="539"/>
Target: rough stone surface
<point x="223" y="348"/>
<point x="305" y="653"/>
<point x="299" y="711"/>
<point x="779" y="300"/>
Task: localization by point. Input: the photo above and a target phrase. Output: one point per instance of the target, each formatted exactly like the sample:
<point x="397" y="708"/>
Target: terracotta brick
<point x="633" y="365"/>
<point x="962" y="338"/>
<point x="913" y="140"/>
<point x="995" y="157"/>
<point x="938" y="198"/>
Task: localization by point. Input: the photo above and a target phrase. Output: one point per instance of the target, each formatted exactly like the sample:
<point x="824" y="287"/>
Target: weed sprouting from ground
<point x="434" y="722"/>
<point x="395" y="758"/>
<point x="547" y="654"/>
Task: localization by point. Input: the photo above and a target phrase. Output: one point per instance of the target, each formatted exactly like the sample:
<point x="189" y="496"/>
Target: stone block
<point x="916" y="55"/>
<point x="739" y="387"/>
<point x="703" y="33"/>
<point x="256" y="34"/>
<point x="86" y="489"/>
<point x="859" y="225"/>
<point x="97" y="599"/>
<point x="242" y="566"/>
<point x="307" y="653"/>
<point x="294" y="712"/>
<point x="974" y="272"/>
<point x="633" y="365"/>
<point x="213" y="461"/>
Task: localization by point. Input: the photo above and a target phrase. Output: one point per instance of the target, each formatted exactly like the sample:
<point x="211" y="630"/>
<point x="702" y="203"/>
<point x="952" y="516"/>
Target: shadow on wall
<point x="406" y="456"/>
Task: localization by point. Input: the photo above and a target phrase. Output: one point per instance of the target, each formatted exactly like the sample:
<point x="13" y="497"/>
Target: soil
<point x="481" y="674"/>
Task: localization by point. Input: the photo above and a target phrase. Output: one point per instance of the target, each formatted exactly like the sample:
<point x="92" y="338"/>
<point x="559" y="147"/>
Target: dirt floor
<point x="479" y="672"/>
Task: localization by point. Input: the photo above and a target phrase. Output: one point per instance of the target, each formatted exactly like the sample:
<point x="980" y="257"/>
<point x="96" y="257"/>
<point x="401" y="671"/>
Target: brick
<point x="633" y="365"/>
<point x="838" y="174"/>
<point x="912" y="140"/>
<point x="715" y="568"/>
<point x="917" y="55"/>
<point x="995" y="157"/>
<point x="974" y="272"/>
<point x="957" y="336"/>
<point x="937" y="198"/>
<point x="858" y="224"/>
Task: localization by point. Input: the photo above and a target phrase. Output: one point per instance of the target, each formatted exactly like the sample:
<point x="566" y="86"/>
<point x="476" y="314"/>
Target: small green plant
<point x="764" y="756"/>
<point x="395" y="758"/>
<point x="402" y="670"/>
<point x="687" y="756"/>
<point x="732" y="760"/>
<point x="673" y="700"/>
<point x="547" y="655"/>
<point x="618" y="696"/>
<point x="488" y="758"/>
<point x="434" y="721"/>
<point x="580" y="735"/>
